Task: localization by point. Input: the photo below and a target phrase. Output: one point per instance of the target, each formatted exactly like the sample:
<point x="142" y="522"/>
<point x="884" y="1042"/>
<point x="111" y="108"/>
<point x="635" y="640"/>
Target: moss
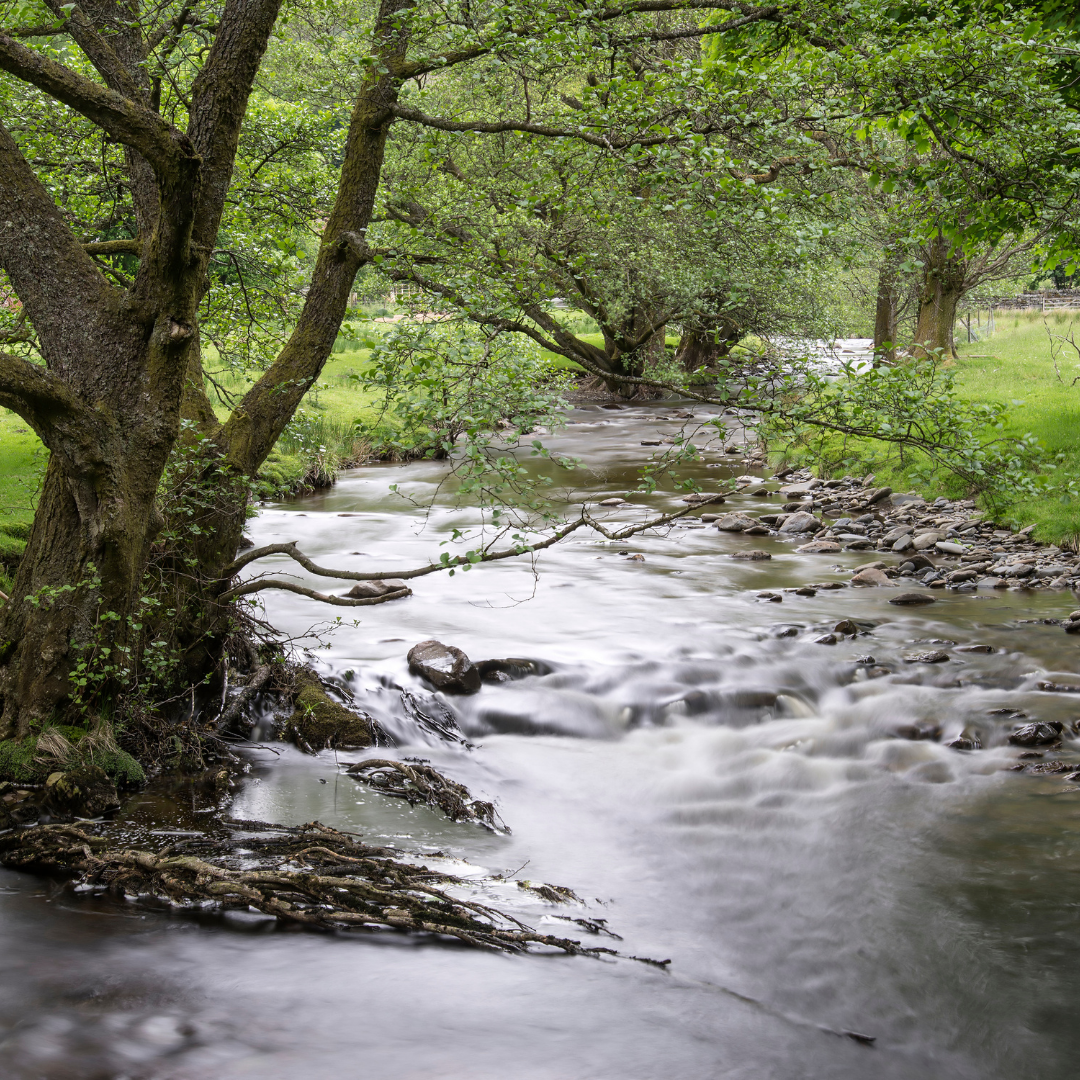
<point x="20" y="530"/>
<point x="17" y="762"/>
<point x="11" y="552"/>
<point x="319" y="722"/>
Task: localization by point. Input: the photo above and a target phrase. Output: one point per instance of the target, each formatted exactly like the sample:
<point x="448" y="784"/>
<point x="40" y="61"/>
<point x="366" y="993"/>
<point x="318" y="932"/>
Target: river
<point x="807" y="873"/>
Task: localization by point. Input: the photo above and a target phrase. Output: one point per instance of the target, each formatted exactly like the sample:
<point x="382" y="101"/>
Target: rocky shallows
<point x="944" y="544"/>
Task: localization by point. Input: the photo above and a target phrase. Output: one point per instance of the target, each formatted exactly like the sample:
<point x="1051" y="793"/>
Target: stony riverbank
<point x="944" y="544"/>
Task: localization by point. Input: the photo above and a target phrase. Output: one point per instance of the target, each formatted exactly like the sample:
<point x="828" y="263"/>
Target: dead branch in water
<point x="418" y="782"/>
<point x="310" y="874"/>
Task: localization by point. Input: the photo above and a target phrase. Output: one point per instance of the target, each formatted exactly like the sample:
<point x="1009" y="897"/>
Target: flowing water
<point x="727" y="793"/>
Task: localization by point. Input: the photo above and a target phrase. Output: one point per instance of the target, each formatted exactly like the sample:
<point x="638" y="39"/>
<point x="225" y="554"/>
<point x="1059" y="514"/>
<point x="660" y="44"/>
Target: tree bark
<point x="943" y="286"/>
<point x="885" y="317"/>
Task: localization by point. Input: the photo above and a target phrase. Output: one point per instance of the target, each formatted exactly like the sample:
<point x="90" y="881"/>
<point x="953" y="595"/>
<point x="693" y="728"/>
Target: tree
<point x="119" y="344"/>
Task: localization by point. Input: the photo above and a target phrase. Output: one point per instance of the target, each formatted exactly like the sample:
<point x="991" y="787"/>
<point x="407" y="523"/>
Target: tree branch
<point x="250" y="587"/>
<point x="404" y="112"/>
<point x="165" y="148"/>
<point x="114" y="247"/>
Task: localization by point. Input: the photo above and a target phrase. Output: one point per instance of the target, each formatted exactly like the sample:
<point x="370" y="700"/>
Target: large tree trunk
<point x="703" y="348"/>
<point x="943" y="286"/>
<point x="885" y="317"/>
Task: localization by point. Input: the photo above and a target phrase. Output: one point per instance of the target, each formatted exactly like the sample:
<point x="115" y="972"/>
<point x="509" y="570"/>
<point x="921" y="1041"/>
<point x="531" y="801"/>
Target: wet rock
<point x="921" y="730"/>
<point x="801" y="522"/>
<point x="446" y="667"/>
<point x="896" y="534"/>
<point x="877" y="672"/>
<point x="845" y="626"/>
<point x="797" y="491"/>
<point x="736" y="522"/>
<point x="975" y="648"/>
<point x="1048" y="768"/>
<point x="949" y="548"/>
<point x="1057" y="688"/>
<point x="935" y="656"/>
<point x="318" y="722"/>
<point x="964" y="575"/>
<point x="871" y="576"/>
<point x="753" y="555"/>
<point x="84" y="791"/>
<point x="1019" y="570"/>
<point x="826" y="639"/>
<point x="612" y="502"/>
<point x="911" y="599"/>
<point x="804" y="590"/>
<point x="773" y="598"/>
<point x="636" y="558"/>
<point x="969" y="739"/>
<point x="371" y="589"/>
<point x="757" y="530"/>
<point x="819" y="547"/>
<point x="992" y="583"/>
<point x="828" y="585"/>
<point x="511" y="668"/>
<point x="699" y="498"/>
<point x="914" y="563"/>
<point x="784" y="631"/>
<point x="650" y="442"/>
<point x="1040" y="733"/>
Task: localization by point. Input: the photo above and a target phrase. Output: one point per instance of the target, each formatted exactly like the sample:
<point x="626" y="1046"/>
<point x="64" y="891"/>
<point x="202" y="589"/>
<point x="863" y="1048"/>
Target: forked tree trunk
<point x="702" y="348"/>
<point x="943" y="286"/>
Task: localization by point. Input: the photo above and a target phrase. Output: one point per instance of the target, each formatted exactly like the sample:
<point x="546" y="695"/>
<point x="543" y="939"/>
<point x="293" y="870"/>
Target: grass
<point x="1013" y="366"/>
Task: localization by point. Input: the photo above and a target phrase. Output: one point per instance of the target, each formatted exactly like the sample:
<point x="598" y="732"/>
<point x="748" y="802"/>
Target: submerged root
<point x="311" y="874"/>
<point x="418" y="782"/>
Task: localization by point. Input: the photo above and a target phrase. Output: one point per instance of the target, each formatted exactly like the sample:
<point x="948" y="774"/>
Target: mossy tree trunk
<point x="943" y="285"/>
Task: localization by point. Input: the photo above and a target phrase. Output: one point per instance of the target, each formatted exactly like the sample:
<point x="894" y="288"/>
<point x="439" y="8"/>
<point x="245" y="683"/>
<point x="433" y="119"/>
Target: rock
<point x="371" y="589"/>
<point x="709" y="518"/>
<point x="445" y="667"/>
<point x="826" y="639"/>
<point x="636" y="558"/>
<point x="878" y="495"/>
<point x="801" y="522"/>
<point x="736" y="522"/>
<point x="926" y="540"/>
<point x="773" y="598"/>
<point x="612" y="502"/>
<point x="993" y="583"/>
<point x="84" y="791"/>
<point x="872" y="577"/>
<point x="846" y="627"/>
<point x="917" y="562"/>
<point x="784" y="631"/>
<point x="919" y="731"/>
<point x="949" y="548"/>
<point x="699" y="498"/>
<point x="969" y="739"/>
<point x="753" y="555"/>
<point x="964" y="575"/>
<point x="318" y="722"/>
<point x="511" y="668"/>
<point x="760" y="493"/>
<point x="797" y="491"/>
<point x="934" y="657"/>
<point x="975" y="648"/>
<point x="820" y="547"/>
<point x="911" y="598"/>
<point x="895" y="534"/>
<point x="650" y="442"/>
<point x="1072" y="627"/>
<point x="1041" y="733"/>
<point x="1044" y="768"/>
<point x="757" y="530"/>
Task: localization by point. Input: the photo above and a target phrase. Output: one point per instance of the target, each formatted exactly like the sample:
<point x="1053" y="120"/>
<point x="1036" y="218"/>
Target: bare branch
<point x="250" y="587"/>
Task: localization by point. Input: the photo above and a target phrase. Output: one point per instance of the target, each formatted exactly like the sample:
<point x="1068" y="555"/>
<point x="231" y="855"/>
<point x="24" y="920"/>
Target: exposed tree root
<point x="418" y="782"/>
<point x="310" y="874"/>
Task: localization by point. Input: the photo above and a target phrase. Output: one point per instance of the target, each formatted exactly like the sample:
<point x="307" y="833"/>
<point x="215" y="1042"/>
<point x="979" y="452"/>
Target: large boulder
<point x="736" y="522"/>
<point x="84" y="791"/>
<point x="318" y="722"/>
<point x="801" y="522"/>
<point x="445" y="667"/>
